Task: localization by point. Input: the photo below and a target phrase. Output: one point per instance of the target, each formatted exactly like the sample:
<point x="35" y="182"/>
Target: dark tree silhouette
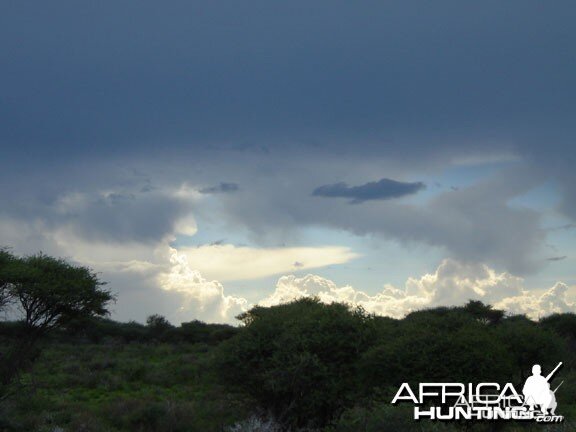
<point x="45" y="293"/>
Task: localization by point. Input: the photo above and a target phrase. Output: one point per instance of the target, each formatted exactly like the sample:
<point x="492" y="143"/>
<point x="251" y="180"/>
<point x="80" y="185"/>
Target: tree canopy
<point x="47" y="292"/>
<point x="43" y="293"/>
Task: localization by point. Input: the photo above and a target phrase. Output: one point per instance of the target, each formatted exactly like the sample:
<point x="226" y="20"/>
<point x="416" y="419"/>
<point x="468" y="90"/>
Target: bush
<point x="296" y="359"/>
<point x="438" y="345"/>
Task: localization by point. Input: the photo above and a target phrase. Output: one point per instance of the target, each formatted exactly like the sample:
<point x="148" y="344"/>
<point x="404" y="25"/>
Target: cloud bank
<point x="452" y="284"/>
<point x="167" y="280"/>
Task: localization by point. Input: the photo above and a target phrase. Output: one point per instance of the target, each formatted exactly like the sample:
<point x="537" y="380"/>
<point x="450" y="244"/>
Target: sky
<point x="204" y="157"/>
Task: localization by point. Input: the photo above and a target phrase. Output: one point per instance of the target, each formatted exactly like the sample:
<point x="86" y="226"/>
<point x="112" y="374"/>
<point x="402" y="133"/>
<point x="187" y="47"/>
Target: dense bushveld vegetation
<point x="303" y="365"/>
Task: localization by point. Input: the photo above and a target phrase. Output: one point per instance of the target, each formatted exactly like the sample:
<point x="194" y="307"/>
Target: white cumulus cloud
<point x="205" y="298"/>
<point x="554" y="300"/>
<point x="452" y="284"/>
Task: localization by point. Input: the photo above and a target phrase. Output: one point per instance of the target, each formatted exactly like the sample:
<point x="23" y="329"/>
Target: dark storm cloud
<point x="147" y="218"/>
<point x="93" y="215"/>
<point x="263" y="90"/>
<point x="194" y="75"/>
<point x="381" y="190"/>
<point x="221" y="188"/>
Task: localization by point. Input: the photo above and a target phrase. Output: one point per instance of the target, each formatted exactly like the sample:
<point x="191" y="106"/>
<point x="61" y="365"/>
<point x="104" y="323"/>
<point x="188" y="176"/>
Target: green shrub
<point x="296" y="359"/>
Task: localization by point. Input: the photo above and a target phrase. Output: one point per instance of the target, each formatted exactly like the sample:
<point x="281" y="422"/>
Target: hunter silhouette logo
<point x="537" y="393"/>
<point x="486" y="400"/>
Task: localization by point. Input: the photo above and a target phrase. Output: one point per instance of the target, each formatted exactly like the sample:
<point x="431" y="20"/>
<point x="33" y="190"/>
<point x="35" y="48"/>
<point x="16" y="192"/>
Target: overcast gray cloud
<point x="262" y="75"/>
<point x="102" y="214"/>
<point x="379" y="190"/>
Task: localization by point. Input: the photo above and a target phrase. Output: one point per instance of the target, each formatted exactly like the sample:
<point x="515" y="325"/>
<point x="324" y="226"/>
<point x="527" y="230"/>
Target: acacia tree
<point x="45" y="293"/>
<point x="51" y="292"/>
